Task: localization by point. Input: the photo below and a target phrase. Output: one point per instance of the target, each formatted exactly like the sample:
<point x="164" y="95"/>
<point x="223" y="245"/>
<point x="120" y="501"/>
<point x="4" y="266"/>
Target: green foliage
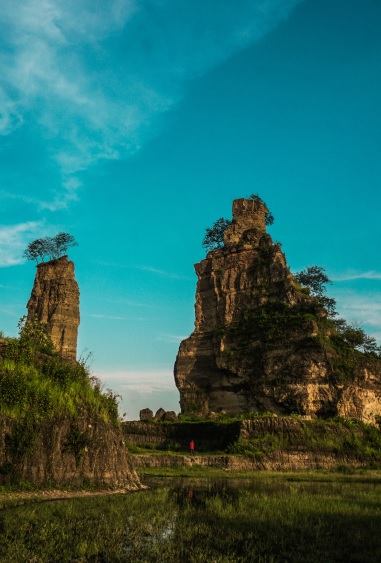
<point x="339" y="436"/>
<point x="77" y="442"/>
<point x="214" y="237"/>
<point x="283" y="518"/>
<point x="37" y="389"/>
<point x="33" y="335"/>
<point x="49" y="247"/>
<point x="23" y="438"/>
<point x="273" y="322"/>
<point x="315" y="279"/>
<point x="51" y="387"/>
<point x="355" y="337"/>
<point x="348" y="340"/>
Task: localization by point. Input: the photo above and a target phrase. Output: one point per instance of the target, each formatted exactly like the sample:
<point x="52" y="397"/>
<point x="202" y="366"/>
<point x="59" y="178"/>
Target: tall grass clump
<point x="36" y="382"/>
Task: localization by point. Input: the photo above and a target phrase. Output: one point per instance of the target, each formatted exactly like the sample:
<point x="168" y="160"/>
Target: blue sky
<point x="133" y="124"/>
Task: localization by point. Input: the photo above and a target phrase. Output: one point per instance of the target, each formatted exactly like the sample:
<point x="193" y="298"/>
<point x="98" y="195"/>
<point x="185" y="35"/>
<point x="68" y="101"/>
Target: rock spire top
<point x="248" y="214"/>
<point x="55" y="301"/>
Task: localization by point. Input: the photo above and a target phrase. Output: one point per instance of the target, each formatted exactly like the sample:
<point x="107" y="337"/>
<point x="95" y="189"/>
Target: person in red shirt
<point x="191" y="447"/>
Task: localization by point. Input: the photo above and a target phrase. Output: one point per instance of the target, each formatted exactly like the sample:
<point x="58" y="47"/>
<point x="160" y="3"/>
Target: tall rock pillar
<point x="262" y="342"/>
<point x="55" y="301"/>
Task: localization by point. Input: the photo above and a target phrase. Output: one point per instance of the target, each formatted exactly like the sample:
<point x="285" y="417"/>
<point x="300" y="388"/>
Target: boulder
<point x="146" y="415"/>
<point x="170" y="416"/>
<point x="160" y="413"/>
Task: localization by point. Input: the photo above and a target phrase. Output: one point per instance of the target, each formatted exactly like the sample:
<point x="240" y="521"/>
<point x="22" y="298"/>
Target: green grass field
<point x="291" y="517"/>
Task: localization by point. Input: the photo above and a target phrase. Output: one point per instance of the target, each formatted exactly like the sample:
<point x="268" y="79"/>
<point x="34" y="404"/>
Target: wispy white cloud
<point x="116" y="318"/>
<point x="141" y="389"/>
<point x="162" y="273"/>
<point x="171" y="338"/>
<point x="93" y="77"/>
<point x="351" y="276"/>
<point x="9" y="310"/>
<point x="149" y="269"/>
<point x="364" y="309"/>
<point x="14" y="239"/>
<point x="60" y="201"/>
<point x="137" y="380"/>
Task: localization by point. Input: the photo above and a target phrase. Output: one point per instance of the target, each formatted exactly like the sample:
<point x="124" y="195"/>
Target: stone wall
<point x="176" y="436"/>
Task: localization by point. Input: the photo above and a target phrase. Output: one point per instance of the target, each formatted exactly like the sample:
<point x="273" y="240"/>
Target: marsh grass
<point x="257" y="520"/>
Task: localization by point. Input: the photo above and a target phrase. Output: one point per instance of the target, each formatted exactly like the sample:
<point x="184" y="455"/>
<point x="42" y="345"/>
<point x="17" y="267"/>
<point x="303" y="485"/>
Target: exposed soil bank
<point x="65" y="452"/>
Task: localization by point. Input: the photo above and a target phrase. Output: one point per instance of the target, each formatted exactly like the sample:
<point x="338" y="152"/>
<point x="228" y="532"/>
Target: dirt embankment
<point x="65" y="452"/>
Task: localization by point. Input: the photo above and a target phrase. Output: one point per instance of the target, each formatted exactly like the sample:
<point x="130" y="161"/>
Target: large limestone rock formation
<point x="55" y="301"/>
<point x="261" y="342"/>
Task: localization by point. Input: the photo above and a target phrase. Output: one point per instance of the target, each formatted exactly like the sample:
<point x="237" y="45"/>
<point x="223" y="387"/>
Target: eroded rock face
<point x="55" y="301"/>
<point x="261" y="342"/>
<point x="66" y="452"/>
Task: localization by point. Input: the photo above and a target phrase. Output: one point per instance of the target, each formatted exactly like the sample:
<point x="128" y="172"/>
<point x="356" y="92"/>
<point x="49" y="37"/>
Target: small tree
<point x="355" y="336"/>
<point x="315" y="279"/>
<point x="61" y="243"/>
<point x="37" y="250"/>
<point x="214" y="237"/>
<point x="34" y="336"/>
<point x="49" y="247"/>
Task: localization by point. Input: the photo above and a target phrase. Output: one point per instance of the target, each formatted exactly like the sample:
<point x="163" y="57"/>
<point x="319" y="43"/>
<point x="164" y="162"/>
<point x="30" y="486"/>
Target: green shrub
<point x="53" y="387"/>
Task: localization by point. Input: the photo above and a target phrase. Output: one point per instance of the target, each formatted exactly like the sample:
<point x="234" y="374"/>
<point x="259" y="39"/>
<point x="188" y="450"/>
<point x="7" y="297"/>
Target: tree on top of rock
<point x="214" y="236"/>
<point x="49" y="247"/>
<point x="269" y="218"/>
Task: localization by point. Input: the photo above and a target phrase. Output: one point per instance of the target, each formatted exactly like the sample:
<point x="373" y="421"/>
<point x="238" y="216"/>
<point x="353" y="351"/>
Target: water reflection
<point x="198" y="492"/>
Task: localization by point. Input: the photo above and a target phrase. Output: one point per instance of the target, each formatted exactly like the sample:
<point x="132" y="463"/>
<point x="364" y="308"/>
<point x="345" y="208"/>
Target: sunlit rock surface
<point x="261" y="342"/>
<point x="55" y="301"/>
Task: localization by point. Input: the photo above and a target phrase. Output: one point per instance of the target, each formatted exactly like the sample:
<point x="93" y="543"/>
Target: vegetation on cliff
<point x="309" y="324"/>
<point x="260" y="436"/>
<point x="53" y="414"/>
<point x="37" y="383"/>
<point x="266" y="339"/>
